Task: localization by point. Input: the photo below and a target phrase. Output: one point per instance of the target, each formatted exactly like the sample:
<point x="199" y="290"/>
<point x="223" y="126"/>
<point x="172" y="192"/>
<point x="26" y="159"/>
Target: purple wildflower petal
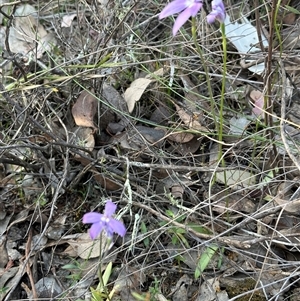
<point x="185" y="15"/>
<point x="195" y="8"/>
<point x="92" y="217"/>
<point x="95" y="229"/>
<point x="117" y="227"/>
<point x="104" y="222"/>
<point x="110" y="208"/>
<point x="173" y="8"/>
<point x="218" y="3"/>
<point x="181" y="19"/>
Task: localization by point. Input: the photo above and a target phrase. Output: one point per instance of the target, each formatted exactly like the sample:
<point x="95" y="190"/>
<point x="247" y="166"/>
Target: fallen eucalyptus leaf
<point x="85" y="109"/>
<point x="137" y="89"/>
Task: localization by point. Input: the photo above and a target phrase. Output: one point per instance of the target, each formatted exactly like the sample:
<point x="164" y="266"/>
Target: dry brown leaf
<point x="189" y="121"/>
<point x="130" y="279"/>
<point x="161" y="115"/>
<point x="289" y="19"/>
<point x="177" y="191"/>
<point x="85" y="109"/>
<point x="180" y="137"/>
<point x="137" y="89"/>
<point x="257" y="100"/>
<point x="114" y="99"/>
<point x="135" y="92"/>
<point x="84" y="137"/>
<point x="190" y="147"/>
<point x="28" y="34"/>
<point x="288" y="206"/>
<point x="86" y="248"/>
<point x="284" y="15"/>
<point x="67" y="20"/>
<point x="235" y="178"/>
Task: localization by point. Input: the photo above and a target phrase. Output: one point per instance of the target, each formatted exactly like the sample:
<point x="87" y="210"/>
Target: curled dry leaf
<point x="190" y="147"/>
<point x="136" y="137"/>
<point x="135" y="92"/>
<point x="129" y="279"/>
<point x="84" y="137"/>
<point x="116" y="105"/>
<point x="3" y="250"/>
<point x="161" y="115"/>
<point x="85" y="109"/>
<point x="257" y="101"/>
<point x="180" y="137"/>
<point x="211" y="290"/>
<point x="114" y="99"/>
<point x="86" y="248"/>
<point x="67" y="20"/>
<point x="137" y="89"/>
<point x="235" y="178"/>
<point x="189" y="121"/>
<point x="28" y="34"/>
<point x="288" y="206"/>
<point x="177" y="191"/>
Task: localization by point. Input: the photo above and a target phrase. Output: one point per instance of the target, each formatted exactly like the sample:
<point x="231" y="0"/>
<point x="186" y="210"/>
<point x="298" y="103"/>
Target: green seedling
<point x="75" y="269"/>
<point x="177" y="233"/>
<point x="205" y="259"/>
<point x="101" y="293"/>
<point x="144" y="230"/>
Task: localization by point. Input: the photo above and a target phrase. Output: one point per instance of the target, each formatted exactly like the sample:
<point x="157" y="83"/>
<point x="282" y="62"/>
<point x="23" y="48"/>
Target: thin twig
<point x="28" y="269"/>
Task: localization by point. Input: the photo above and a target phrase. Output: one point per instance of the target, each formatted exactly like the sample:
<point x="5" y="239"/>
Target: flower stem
<point x="208" y="81"/>
<point x="220" y="133"/>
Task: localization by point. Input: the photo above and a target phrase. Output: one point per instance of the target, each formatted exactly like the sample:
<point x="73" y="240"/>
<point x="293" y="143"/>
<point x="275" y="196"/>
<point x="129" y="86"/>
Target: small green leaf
<point x="170" y="213"/>
<point x="105" y="277"/>
<point x="179" y="230"/>
<point x="174" y="240"/>
<point x="96" y="295"/>
<point x="144" y="230"/>
<point x="199" y="229"/>
<point x="204" y="260"/>
<point x="292" y="9"/>
<point x="70" y="267"/>
<point x="138" y="297"/>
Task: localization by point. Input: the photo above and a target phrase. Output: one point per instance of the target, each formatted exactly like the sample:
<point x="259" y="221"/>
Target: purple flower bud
<point x="217" y="13"/>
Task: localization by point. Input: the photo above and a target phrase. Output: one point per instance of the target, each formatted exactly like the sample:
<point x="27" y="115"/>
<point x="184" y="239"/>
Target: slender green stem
<point x="100" y="267"/>
<point x="224" y="46"/>
<point x="221" y="110"/>
<point x="200" y="52"/>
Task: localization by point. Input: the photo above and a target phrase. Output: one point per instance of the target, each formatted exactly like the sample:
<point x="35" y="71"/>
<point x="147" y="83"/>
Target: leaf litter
<point x="81" y="122"/>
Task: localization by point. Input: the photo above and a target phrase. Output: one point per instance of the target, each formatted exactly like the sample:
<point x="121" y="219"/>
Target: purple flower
<point x="217" y="13"/>
<point x="188" y="8"/>
<point x="104" y="222"/>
